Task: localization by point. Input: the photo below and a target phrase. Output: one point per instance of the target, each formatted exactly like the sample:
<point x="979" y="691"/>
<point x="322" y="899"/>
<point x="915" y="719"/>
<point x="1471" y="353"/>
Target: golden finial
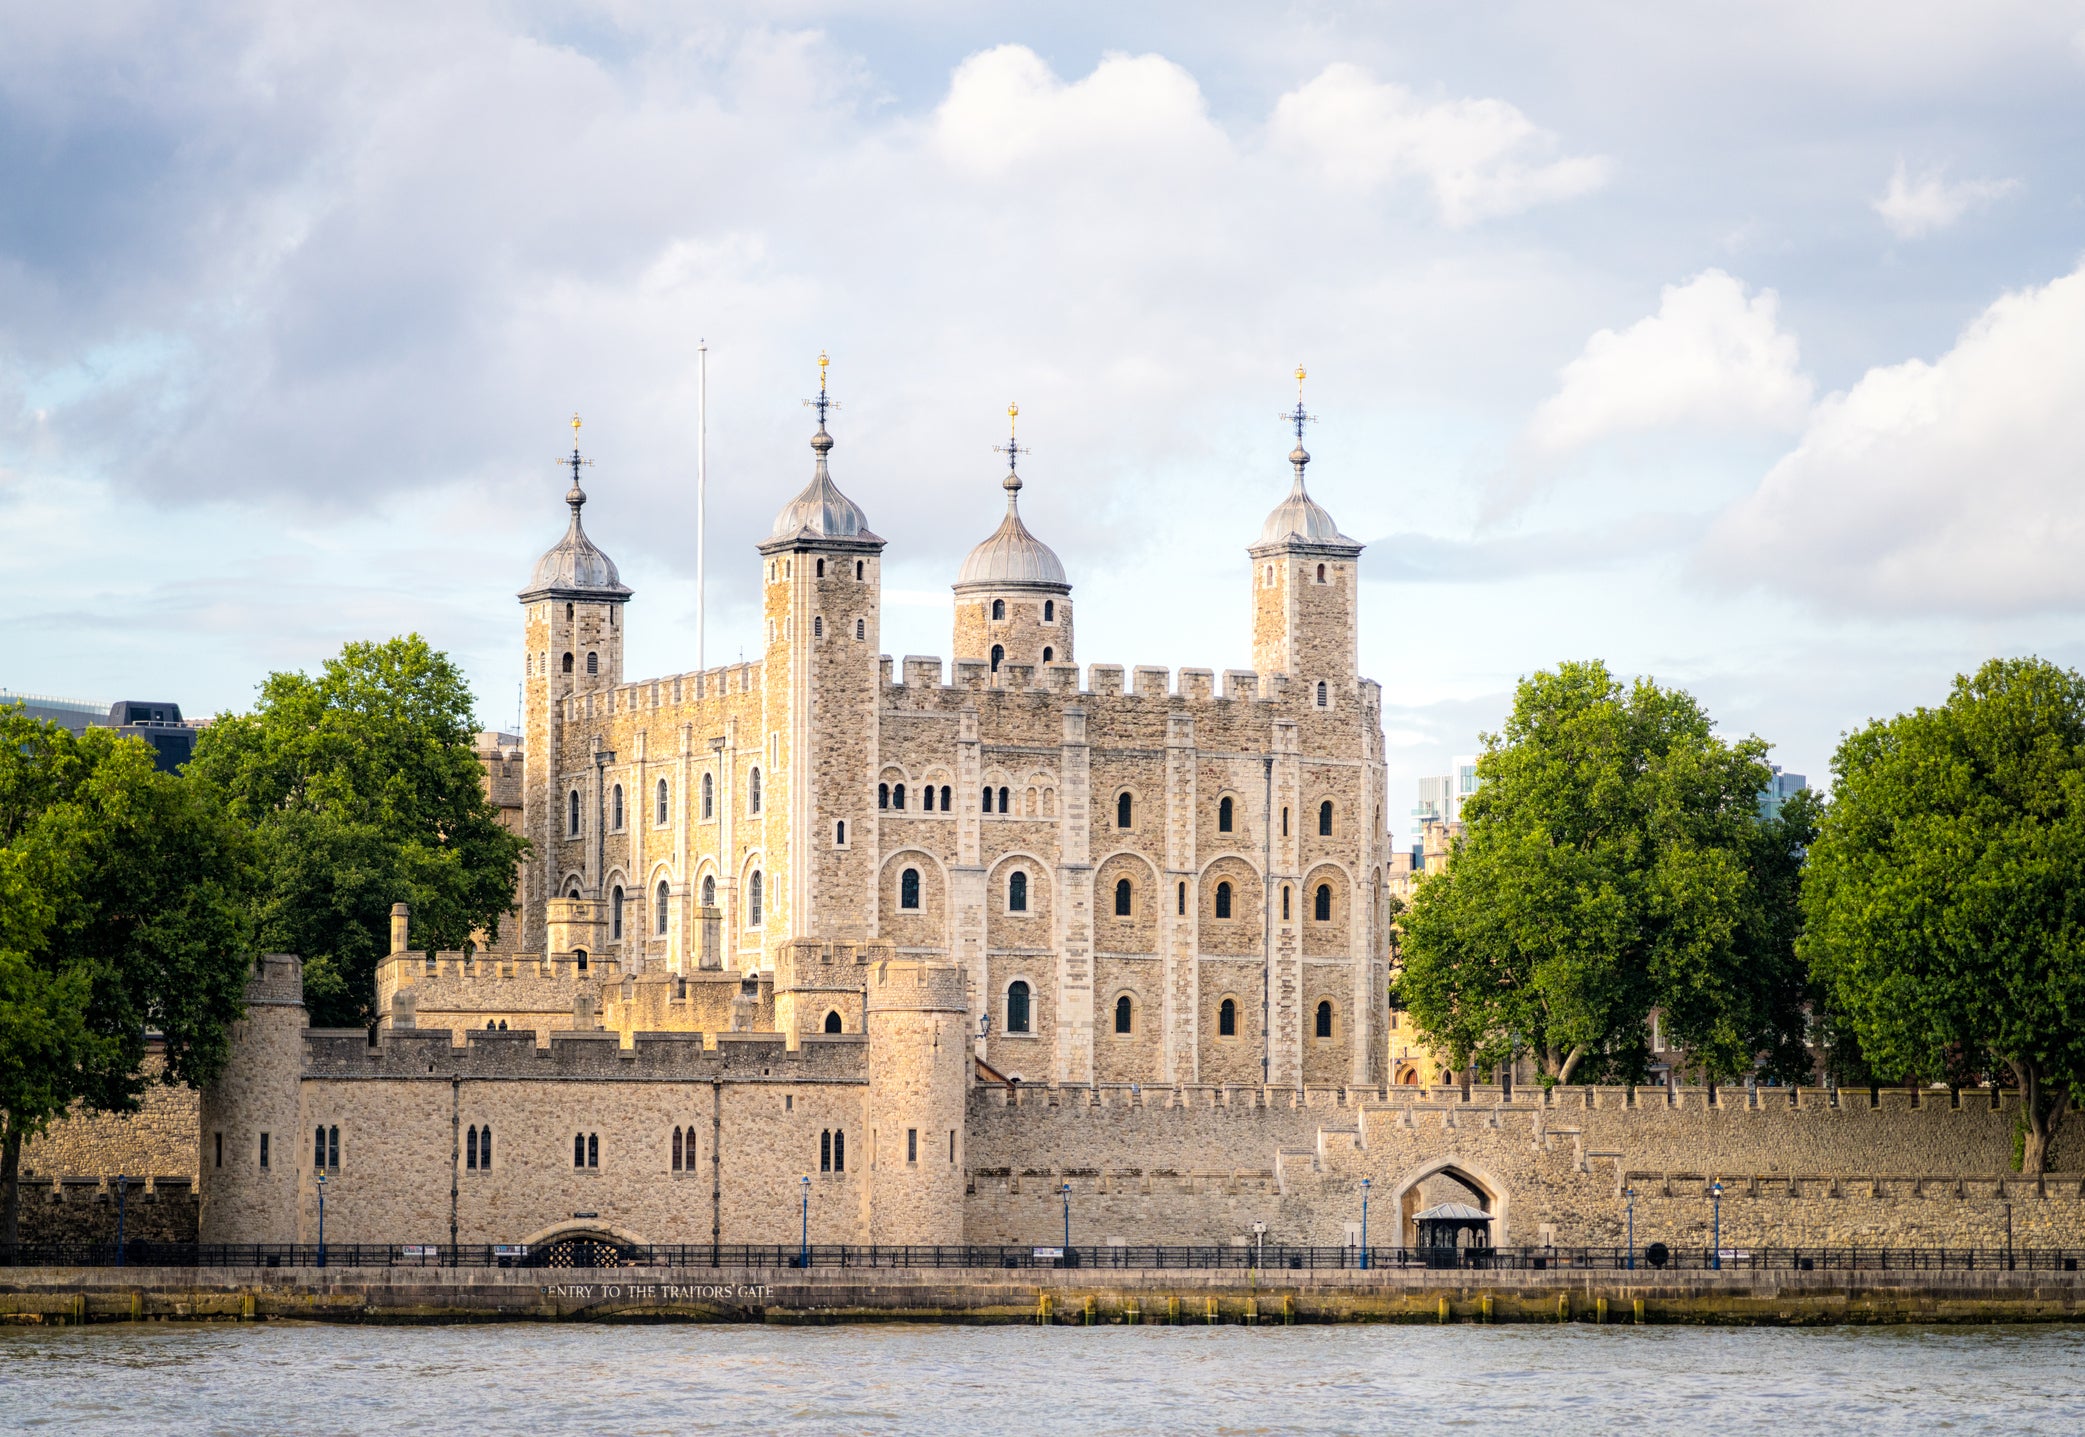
<point x="1013" y="418"/>
<point x="575" y="427"/>
<point x="1299" y="382"/>
<point x="1013" y="449"/>
<point x="822" y="362"/>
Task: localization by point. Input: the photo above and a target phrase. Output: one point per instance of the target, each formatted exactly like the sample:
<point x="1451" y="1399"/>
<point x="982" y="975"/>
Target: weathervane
<point x="578" y="495"/>
<point x="1013" y="449"/>
<point x="1298" y="416"/>
<point x="822" y="402"/>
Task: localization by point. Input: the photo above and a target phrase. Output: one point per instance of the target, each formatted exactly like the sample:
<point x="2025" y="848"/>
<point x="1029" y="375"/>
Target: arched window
<point x="1223" y="900"/>
<point x="1002" y="800"/>
<point x="615" y="913"/>
<point x="825" y="1151"/>
<point x="709" y="797"/>
<point x="1048" y="653"/>
<point x="753" y="900"/>
<point x="998" y="608"/>
<point x="839" y="1151"/>
<point x="861" y="628"/>
<point x="615" y="807"/>
<point x="1017" y="1006"/>
<point x="1227" y="1018"/>
<point x="579" y="1150"/>
<point x="1017" y="892"/>
<point x="579" y="959"/>
<point x="944" y="798"/>
<point x="660" y="895"/>
<point x="818" y="627"/>
<point x="1321" y="903"/>
<point x="485" y="1137"/>
<point x="572" y="813"/>
<point x="1285" y="903"/>
<point x="676" y="1149"/>
<point x="987" y="795"/>
<point x="1321" y="693"/>
<point x="857" y="568"/>
<point x="832" y="1022"/>
<point x="883" y="795"/>
<point x="1124" y="895"/>
<point x="470" y="1150"/>
<point x="593" y="662"/>
<point x="753" y="792"/>
<point x="1225" y="810"/>
<point x="1183" y="898"/>
<point x="840" y="833"/>
<point x="568" y="613"/>
<point x="1284" y="821"/>
<point x="1325" y="819"/>
<point x="1124" y="1013"/>
<point x="568" y="663"/>
<point x="709" y="890"/>
<point x="593" y="1150"/>
<point x="1325" y="1020"/>
<point x="926" y="797"/>
<point x="659" y="807"/>
<point x="897" y="795"/>
<point x="998" y="653"/>
<point x="908" y="888"/>
<point x="1049" y="611"/>
<point x="1125" y="810"/>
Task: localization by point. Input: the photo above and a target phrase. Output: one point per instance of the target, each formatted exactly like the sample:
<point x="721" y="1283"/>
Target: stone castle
<point x="807" y="944"/>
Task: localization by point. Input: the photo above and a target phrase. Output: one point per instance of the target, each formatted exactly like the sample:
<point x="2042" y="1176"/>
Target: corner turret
<point x="1013" y="602"/>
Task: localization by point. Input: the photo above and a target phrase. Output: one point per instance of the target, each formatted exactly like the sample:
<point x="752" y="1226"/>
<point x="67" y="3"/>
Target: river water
<point x="310" y="1380"/>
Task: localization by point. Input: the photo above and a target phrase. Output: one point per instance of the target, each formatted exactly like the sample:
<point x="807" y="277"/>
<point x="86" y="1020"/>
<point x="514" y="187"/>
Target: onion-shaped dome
<point x="575" y="567"/>
<point x="822" y="511"/>
<point x="1012" y="557"/>
<point x="1300" y="519"/>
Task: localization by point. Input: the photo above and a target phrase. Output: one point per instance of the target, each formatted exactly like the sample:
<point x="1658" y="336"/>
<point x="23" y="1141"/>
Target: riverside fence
<point x="590" y="1252"/>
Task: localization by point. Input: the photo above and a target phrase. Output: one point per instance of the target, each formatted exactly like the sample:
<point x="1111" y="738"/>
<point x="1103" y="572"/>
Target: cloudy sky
<point x="1741" y="346"/>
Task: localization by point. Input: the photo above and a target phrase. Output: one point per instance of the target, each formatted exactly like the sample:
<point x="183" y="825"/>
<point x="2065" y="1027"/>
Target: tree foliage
<point x="1945" y="899"/>
<point x="363" y="789"/>
<point x="1613" y="861"/>
<point x="123" y="906"/>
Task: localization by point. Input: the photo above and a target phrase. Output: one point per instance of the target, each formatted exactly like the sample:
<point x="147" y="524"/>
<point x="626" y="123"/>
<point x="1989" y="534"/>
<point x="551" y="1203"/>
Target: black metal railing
<point x="1649" y="1259"/>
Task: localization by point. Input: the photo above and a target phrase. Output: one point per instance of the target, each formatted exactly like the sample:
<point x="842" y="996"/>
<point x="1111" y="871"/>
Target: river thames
<point x="678" y="1379"/>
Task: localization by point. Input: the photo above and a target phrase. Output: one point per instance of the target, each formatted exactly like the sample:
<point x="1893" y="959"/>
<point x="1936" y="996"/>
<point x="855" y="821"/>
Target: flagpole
<point x="701" y="496"/>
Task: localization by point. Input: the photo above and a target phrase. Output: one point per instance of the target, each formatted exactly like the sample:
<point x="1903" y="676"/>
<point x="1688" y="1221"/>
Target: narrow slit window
<point x="1224" y="810"/>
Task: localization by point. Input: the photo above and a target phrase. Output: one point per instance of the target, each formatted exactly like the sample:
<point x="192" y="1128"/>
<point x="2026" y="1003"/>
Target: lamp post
<point x="804" y="1255"/>
<point x="1066" y="1192"/>
<point x="1364" y="1224"/>
<point x="2008" y="1237"/>
<point x="1630" y="1194"/>
<point x="1716" y="1231"/>
<point x="322" y="1219"/>
<point x="122" y="1189"/>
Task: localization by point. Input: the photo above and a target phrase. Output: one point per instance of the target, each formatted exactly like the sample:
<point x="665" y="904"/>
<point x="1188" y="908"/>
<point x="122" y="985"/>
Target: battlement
<point x="667" y="692"/>
<point x="905" y="984"/>
<point x="919" y="683"/>
<point x="432" y="1054"/>
<point x="278" y="978"/>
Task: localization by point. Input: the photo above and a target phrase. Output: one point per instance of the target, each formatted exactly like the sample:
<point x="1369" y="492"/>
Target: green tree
<point x="123" y="902"/>
<point x="363" y="789"/>
<point x="1945" y="902"/>
<point x="1613" y="861"/>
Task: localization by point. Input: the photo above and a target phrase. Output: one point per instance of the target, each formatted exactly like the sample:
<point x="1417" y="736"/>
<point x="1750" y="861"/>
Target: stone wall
<point x="159" y="1140"/>
<point x="81" y="1210"/>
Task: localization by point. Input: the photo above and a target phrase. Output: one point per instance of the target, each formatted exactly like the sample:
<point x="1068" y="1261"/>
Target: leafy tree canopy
<point x="123" y="903"/>
<point x="1945" y="901"/>
<point x="1613" y="861"/>
<point x="364" y="790"/>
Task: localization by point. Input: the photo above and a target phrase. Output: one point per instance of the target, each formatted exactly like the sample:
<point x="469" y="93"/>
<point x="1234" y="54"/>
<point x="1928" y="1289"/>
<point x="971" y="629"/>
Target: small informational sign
<point x="504" y="1249"/>
<point x="418" y="1249"/>
<point x="1049" y="1252"/>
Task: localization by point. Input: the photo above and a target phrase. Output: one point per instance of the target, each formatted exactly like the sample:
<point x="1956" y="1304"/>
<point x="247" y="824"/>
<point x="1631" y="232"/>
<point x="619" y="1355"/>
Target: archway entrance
<point x="578" y="1250"/>
<point x="1441" y="1188"/>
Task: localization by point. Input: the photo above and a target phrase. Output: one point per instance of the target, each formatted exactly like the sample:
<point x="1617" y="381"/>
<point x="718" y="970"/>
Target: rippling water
<point x="310" y="1380"/>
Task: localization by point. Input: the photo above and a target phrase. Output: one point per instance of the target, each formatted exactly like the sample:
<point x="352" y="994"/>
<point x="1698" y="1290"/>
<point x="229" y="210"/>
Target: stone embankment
<point x="440" y="1295"/>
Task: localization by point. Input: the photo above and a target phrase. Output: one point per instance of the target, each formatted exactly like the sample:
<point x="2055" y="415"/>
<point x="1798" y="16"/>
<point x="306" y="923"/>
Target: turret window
<point x="818" y="628"/>
<point x="709" y="890"/>
<point x="897" y="795"/>
<point x="1324" y="1024"/>
<point x="998" y="654"/>
<point x="861" y="628"/>
<point x="840" y="833"/>
<point x="1321" y="573"/>
<point x="1125" y="1015"/>
<point x="659" y="810"/>
<point x="1049" y="616"/>
<point x="709" y="797"/>
<point x="833" y="1023"/>
<point x="926" y="797"/>
<point x="753" y="792"/>
<point x="908" y="888"/>
<point x="1017" y="892"/>
<point x="1224" y="811"/>
<point x="857" y="568"/>
<point x="1322" y="694"/>
<point x="1227" y="1018"/>
<point x="568" y="613"/>
<point x="821" y="568"/>
<point x="660" y="899"/>
<point x="1048" y="653"/>
<point x="572" y="814"/>
<point x="1285" y="903"/>
<point x="883" y="795"/>
<point x="944" y="797"/>
<point x="616" y="807"/>
<point x="998" y="608"/>
<point x="1002" y="801"/>
<point x="1321" y="903"/>
<point x="568" y="663"/>
<point x="593" y="662"/>
<point x="615" y="913"/>
<point x="1223" y="900"/>
<point x="1183" y="898"/>
<point x="1125" y="898"/>
<point x="1017" y="1017"/>
<point x="1325" y="819"/>
<point x="1125" y="811"/>
<point x="753" y="900"/>
<point x="987" y="796"/>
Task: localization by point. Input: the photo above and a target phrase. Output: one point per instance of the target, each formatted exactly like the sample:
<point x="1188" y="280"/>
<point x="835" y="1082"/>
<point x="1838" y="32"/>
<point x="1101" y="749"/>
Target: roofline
<point x="618" y="595"/>
<point x="1331" y="549"/>
<point x="1013" y="586"/>
<point x="862" y="543"/>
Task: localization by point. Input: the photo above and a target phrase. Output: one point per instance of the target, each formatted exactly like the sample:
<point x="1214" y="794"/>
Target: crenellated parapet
<point x="677" y="1057"/>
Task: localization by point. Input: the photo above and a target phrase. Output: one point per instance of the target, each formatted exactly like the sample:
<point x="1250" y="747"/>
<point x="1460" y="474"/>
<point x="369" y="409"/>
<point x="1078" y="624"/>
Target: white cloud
<point x="1950" y="486"/>
<point x="1914" y="207"/>
<point x="1711" y="356"/>
<point x="1481" y="158"/>
<point x="1006" y="110"/>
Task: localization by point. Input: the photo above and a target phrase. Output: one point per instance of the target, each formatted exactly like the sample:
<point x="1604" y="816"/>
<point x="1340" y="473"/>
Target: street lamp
<point x="1630" y="1193"/>
<point x="1066" y="1192"/>
<point x="122" y="1188"/>
<point x="322" y="1219"/>
<point x="1364" y="1224"/>
<point x="804" y="1257"/>
<point x="1716" y="1198"/>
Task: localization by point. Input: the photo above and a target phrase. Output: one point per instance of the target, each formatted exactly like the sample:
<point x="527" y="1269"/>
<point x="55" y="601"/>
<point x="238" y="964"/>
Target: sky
<point x="1740" y="347"/>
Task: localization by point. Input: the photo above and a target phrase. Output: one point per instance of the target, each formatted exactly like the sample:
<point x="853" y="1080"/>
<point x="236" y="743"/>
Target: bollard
<point x="1288" y="1311"/>
<point x="1212" y="1312"/>
<point x="1089" y="1312"/>
<point x="1639" y="1312"/>
<point x="1444" y="1309"/>
<point x="1600" y="1310"/>
<point x="1563" y="1307"/>
<point x="137" y="1307"/>
<point x="1131" y="1314"/>
<point x="1172" y="1312"/>
<point x="1042" y="1310"/>
<point x="1487" y="1306"/>
<point x="246" y="1307"/>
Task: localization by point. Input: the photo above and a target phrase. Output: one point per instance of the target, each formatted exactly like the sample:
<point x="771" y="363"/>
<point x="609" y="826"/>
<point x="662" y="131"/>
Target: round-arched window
<point x="1321" y="903"/>
<point x="908" y="888"/>
<point x="659" y="902"/>
<point x="1017" y="892"/>
<point x="753" y="914"/>
<point x="1227" y="1018"/>
<point x="1017" y="1006"/>
<point x="1125" y="1013"/>
<point x="1125" y="898"/>
<point x="1223" y="900"/>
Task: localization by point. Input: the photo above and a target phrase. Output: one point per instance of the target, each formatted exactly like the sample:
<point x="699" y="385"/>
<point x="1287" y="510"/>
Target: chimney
<point x="400" y="913"/>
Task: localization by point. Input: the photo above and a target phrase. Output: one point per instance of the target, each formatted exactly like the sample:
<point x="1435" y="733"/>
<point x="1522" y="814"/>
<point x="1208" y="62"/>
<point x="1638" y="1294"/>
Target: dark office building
<point x="156" y="721"/>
